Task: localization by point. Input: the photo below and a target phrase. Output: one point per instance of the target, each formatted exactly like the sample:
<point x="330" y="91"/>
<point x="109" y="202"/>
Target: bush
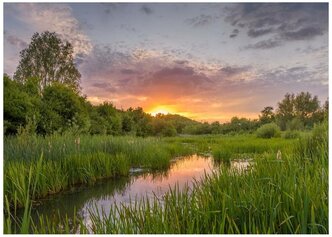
<point x="169" y="131"/>
<point x="295" y="124"/>
<point x="314" y="147"/>
<point x="291" y="134"/>
<point x="268" y="130"/>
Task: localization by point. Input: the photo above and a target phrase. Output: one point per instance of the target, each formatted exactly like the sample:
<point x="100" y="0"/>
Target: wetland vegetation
<point x="275" y="196"/>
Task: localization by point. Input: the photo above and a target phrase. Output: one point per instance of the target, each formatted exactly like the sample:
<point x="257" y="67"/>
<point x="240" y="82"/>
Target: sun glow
<point x="160" y="110"/>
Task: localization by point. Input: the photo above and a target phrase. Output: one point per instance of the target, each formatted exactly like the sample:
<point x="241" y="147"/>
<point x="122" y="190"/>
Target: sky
<point x="206" y="61"/>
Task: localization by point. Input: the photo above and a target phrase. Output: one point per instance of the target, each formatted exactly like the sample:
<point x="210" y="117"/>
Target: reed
<point x="276" y="196"/>
<point x="284" y="196"/>
<point x="71" y="161"/>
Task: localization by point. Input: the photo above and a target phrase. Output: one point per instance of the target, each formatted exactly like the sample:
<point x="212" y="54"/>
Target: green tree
<point x="267" y="115"/>
<point x="18" y="106"/>
<point x="326" y="110"/>
<point x="169" y="131"/>
<point x="285" y="111"/>
<point x="306" y="107"/>
<point x="127" y="123"/>
<point x="49" y="58"/>
<point x="61" y="109"/>
<point x="215" y="127"/>
<point x="142" y="121"/>
<point x="109" y="118"/>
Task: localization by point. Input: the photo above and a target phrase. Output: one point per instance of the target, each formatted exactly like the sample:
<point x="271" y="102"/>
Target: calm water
<point x="125" y="190"/>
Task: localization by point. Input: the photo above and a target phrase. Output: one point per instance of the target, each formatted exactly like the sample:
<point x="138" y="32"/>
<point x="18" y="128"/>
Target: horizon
<point x="205" y="61"/>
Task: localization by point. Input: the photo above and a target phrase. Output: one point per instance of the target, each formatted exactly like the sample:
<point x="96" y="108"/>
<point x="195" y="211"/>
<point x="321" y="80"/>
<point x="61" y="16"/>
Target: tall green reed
<point x="276" y="196"/>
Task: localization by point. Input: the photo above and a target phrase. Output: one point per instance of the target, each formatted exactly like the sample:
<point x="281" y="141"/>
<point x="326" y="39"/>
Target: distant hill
<point x="179" y="122"/>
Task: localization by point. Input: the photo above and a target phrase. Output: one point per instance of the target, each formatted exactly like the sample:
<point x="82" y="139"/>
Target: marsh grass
<point x="24" y="223"/>
<point x="68" y="163"/>
<point x="246" y="147"/>
<point x="275" y="196"/>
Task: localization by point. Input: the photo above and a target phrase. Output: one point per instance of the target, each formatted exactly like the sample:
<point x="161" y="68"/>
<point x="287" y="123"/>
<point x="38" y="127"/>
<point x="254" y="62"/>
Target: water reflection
<point x="104" y="194"/>
<point x="182" y="172"/>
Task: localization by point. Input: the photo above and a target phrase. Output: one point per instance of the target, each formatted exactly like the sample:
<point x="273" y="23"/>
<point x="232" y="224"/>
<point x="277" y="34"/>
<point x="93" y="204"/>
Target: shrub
<point x="291" y="134"/>
<point x="169" y="131"/>
<point x="295" y="124"/>
<point x="268" y="130"/>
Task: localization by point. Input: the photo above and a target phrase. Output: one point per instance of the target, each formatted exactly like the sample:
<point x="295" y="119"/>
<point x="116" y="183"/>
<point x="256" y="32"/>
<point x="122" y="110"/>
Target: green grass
<point x="275" y="196"/>
<point x="247" y="147"/>
<point x="67" y="163"/>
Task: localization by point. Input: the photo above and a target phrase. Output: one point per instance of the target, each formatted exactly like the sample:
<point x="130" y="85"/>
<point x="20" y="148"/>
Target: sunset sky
<point x="205" y="61"/>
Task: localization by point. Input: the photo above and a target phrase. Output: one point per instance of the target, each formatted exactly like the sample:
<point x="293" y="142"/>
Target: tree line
<point x="43" y="97"/>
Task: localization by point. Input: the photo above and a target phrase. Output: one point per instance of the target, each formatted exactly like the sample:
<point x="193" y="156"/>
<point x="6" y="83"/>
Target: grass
<point x="275" y="196"/>
<point x="68" y="162"/>
<point x="244" y="147"/>
<point x="287" y="196"/>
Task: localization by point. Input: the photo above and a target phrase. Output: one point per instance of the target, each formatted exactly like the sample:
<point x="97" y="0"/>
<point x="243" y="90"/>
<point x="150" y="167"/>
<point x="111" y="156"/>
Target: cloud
<point x="294" y="75"/>
<point x="265" y="44"/>
<point x="303" y="33"/>
<point x="218" y="91"/>
<point x="256" y="33"/>
<point x="128" y="71"/>
<point x="147" y="10"/>
<point x="282" y="21"/>
<point x="104" y="86"/>
<point x="235" y="32"/>
<point x="230" y="71"/>
<point x="55" y="18"/>
<point x="175" y="82"/>
<point x="140" y="72"/>
<point x="201" y="20"/>
<point x="108" y="7"/>
<point x="181" y="62"/>
<point x="16" y="41"/>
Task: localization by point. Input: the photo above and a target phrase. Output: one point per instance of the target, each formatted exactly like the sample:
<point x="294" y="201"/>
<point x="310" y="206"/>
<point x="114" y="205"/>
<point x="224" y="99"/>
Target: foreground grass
<point x="69" y="161"/>
<point x="287" y="196"/>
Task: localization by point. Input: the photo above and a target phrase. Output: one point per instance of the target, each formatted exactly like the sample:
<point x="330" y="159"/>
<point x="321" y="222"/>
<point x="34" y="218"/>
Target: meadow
<point x="275" y="196"/>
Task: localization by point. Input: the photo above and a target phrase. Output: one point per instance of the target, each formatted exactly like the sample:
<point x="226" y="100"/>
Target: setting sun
<point x="160" y="110"/>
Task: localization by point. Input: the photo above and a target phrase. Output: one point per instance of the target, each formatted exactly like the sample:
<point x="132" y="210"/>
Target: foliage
<point x="285" y="196"/>
<point x="302" y="107"/>
<point x="291" y="134"/>
<point x="70" y="160"/>
<point x="50" y="59"/>
<point x="268" y="131"/>
<point x="267" y="115"/>
<point x="262" y="200"/>
<point x="295" y="124"/>
<point x="314" y="146"/>
<point x="58" y="108"/>
<point x="61" y="108"/>
<point x="19" y="107"/>
<point x="285" y="111"/>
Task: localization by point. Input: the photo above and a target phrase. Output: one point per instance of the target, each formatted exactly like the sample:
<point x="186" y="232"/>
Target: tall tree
<point x="267" y="115"/>
<point x="305" y="108"/>
<point x="302" y="110"/>
<point x="285" y="111"/>
<point x="62" y="109"/>
<point x="50" y="59"/>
